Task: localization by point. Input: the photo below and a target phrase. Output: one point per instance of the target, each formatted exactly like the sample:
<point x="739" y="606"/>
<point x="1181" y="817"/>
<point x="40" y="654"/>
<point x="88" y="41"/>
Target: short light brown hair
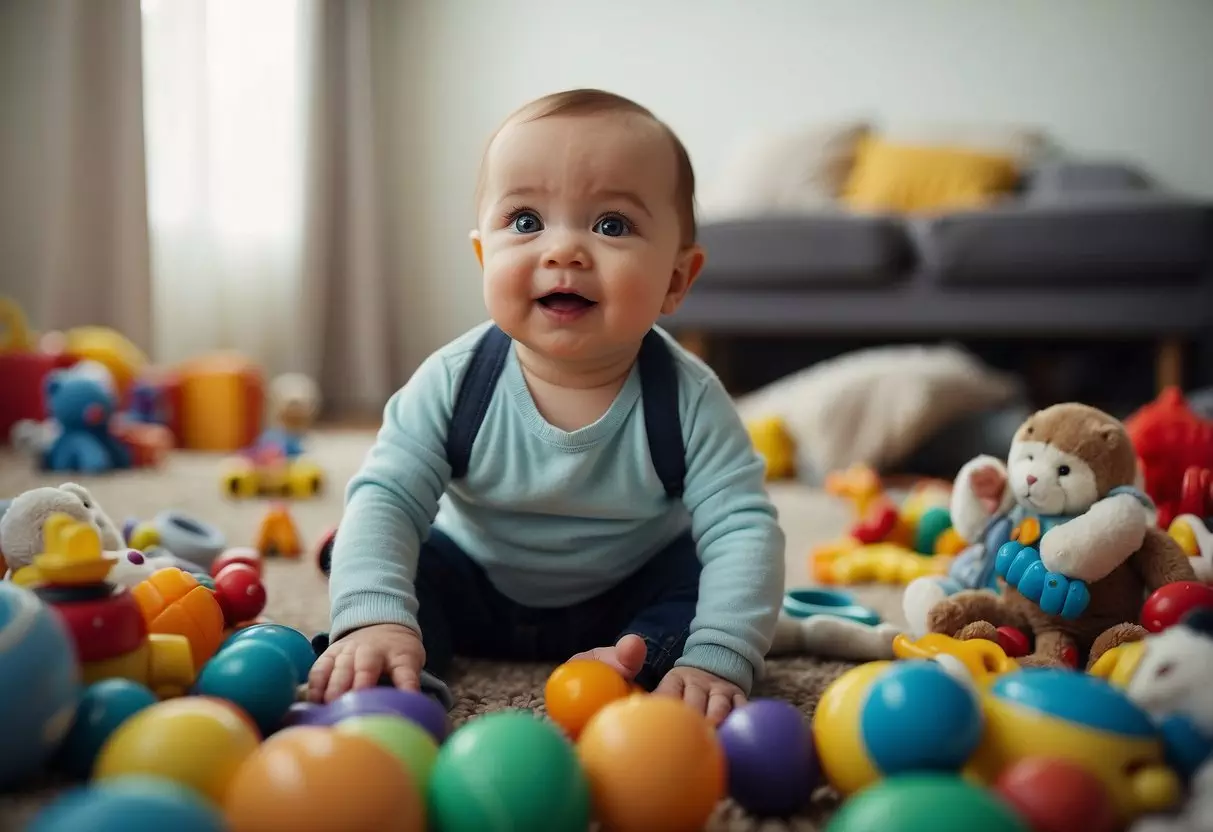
<point x="585" y="102"/>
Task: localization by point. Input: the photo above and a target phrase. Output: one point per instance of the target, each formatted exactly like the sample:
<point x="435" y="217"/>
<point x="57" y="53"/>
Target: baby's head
<point x="585" y="225"/>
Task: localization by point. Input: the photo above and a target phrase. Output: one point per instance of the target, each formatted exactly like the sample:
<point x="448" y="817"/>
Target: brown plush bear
<point x="1070" y="484"/>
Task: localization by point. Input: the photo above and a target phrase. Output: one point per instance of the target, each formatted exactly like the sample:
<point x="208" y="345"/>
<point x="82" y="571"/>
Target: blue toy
<point x="1021" y="567"/>
<point x="254" y="675"/>
<point x="39" y="683"/>
<point x="293" y="643"/>
<point x="803" y="603"/>
<point x="129" y="804"/>
<point x="82" y="407"/>
<point x="105" y="706"/>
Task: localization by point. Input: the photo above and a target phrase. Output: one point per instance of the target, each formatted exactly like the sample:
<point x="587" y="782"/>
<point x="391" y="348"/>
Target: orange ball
<point x="578" y="689"/>
<point x="310" y="778"/>
<point x="652" y="763"/>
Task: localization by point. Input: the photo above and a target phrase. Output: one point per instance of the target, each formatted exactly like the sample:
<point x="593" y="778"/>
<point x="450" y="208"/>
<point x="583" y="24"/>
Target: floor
<point x="298" y="594"/>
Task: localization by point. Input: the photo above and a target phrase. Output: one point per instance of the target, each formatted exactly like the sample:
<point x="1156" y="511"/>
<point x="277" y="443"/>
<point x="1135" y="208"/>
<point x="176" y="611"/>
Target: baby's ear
<point x="474" y="236"/>
<point x="687" y="267"/>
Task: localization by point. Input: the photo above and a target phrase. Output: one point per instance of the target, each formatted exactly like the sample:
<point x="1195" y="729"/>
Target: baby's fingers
<point x="342" y="677"/>
<point x="318" y="678"/>
<point x="368" y="664"/>
<point x="402" y="668"/>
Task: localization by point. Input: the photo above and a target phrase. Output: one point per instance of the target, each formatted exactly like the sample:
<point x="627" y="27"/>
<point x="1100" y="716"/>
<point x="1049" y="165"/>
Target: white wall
<point x="1122" y="78"/>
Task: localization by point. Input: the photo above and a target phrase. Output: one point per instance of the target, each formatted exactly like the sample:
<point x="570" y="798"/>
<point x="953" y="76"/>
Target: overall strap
<point x="472" y="400"/>
<point x="659" y="392"/>
<point x="662" y="420"/>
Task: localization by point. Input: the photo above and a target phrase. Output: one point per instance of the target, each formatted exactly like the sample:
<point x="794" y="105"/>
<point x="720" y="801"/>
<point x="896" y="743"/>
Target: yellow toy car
<point x="247" y="477"/>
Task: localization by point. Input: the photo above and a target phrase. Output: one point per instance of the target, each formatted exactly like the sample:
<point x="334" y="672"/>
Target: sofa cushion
<point x="1124" y="241"/>
<point x="818" y="249"/>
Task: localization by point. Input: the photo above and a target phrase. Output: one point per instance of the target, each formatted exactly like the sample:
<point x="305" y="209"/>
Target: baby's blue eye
<point x="613" y="226"/>
<point x="527" y="223"/>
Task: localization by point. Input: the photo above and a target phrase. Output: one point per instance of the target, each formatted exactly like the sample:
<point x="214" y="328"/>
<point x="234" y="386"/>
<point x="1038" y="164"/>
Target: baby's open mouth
<point x="566" y="302"/>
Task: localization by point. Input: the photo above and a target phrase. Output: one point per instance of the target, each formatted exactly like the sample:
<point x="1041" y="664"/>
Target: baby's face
<point x="579" y="234"/>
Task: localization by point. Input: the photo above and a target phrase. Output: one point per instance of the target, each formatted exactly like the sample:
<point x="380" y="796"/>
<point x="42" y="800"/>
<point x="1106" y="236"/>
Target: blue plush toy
<point x="82" y="406"/>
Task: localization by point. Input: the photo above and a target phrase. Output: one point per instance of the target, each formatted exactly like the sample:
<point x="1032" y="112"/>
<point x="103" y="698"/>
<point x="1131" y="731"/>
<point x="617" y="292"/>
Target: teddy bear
<point x="1071" y="489"/>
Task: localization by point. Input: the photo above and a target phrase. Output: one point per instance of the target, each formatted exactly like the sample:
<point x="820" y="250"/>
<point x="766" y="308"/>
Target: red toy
<point x="1057" y="796"/>
<point x="1168" y="604"/>
<point x="1013" y="642"/>
<point x="242" y="554"/>
<point x="240" y="593"/>
<point x="1170" y="439"/>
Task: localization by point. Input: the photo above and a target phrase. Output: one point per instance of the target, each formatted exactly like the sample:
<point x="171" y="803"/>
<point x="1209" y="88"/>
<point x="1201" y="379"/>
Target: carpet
<point x="297" y="592"/>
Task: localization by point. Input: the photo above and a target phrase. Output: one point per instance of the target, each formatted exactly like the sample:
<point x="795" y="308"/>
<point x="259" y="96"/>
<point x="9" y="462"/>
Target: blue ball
<point x="255" y="676"/>
<point x="129" y="804"/>
<point x="295" y="644"/>
<point x="39" y="683"/>
<point x="105" y="705"/>
<point x="918" y="718"/>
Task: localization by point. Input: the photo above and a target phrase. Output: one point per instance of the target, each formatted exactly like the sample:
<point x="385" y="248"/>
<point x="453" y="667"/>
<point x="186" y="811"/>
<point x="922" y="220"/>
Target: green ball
<point x="204" y="579"/>
<point x="926" y="803"/>
<point x="404" y="739"/>
<point x="505" y="771"/>
<point x="934" y="522"/>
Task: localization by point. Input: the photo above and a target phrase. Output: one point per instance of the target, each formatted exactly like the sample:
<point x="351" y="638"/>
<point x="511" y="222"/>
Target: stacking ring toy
<point x="804" y="602"/>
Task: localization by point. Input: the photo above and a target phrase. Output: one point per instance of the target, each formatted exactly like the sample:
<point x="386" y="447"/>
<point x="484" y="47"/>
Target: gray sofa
<point x="1083" y="250"/>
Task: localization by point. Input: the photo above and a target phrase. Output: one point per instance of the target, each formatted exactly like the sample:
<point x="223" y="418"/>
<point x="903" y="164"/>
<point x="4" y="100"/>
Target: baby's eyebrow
<point x="604" y="195"/>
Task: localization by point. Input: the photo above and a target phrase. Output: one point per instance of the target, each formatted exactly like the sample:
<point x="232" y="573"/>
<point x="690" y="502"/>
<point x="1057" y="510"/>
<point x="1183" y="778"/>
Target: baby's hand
<point x="703" y="691"/>
<point x="358" y="660"/>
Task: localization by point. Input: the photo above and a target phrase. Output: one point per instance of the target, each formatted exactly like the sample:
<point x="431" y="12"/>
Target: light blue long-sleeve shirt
<point x="557" y="517"/>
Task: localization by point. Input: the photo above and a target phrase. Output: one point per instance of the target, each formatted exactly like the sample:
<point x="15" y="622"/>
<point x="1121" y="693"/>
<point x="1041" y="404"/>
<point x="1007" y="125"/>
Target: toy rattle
<point x="806" y="602"/>
<point x="981" y="657"/>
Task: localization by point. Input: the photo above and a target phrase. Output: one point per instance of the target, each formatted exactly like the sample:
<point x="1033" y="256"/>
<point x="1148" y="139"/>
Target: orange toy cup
<point x="173" y="602"/>
<point x="580" y="688"/>
<point x="313" y="779"/>
<point x="652" y="763"/>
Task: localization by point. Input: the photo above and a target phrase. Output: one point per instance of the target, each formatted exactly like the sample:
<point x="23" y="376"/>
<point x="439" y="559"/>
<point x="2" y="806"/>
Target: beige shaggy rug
<point x="298" y="597"/>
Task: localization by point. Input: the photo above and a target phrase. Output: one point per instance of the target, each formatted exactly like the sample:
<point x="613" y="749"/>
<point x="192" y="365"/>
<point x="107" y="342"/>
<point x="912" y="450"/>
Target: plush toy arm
<point x="1160" y="561"/>
<point x="1091" y="545"/>
<point x="969" y="509"/>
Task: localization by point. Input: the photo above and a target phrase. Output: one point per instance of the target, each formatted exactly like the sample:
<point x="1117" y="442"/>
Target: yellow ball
<point x="840" y="749"/>
<point x="196" y="741"/>
<point x="144" y="537"/>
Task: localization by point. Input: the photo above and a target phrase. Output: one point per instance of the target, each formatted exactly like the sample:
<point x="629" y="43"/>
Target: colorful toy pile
<point x="889" y="543"/>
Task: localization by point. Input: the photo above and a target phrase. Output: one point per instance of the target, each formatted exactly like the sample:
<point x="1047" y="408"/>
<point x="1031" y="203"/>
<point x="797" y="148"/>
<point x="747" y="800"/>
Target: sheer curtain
<point x="226" y="114"/>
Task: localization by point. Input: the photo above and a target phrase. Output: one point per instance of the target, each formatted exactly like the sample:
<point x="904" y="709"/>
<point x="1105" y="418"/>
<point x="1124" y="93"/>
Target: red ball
<point x="1168" y="604"/>
<point x="1057" y="796"/>
<point x="240" y="593"/>
<point x="243" y="554"/>
<point x="1013" y="642"/>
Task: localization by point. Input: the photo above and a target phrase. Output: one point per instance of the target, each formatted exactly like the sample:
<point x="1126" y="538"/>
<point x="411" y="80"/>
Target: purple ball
<point x="302" y="713"/>
<point x="772" y="762"/>
<point x="417" y="707"/>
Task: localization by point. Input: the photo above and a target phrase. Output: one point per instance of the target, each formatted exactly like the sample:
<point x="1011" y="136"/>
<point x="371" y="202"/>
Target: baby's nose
<point x="1031" y="480"/>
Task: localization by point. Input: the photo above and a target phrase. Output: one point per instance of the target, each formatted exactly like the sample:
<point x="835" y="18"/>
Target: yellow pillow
<point x="911" y="178"/>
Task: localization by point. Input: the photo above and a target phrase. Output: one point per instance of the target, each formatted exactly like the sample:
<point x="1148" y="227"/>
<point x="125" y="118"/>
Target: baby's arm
<point x="740" y="543"/>
<point x="390" y="504"/>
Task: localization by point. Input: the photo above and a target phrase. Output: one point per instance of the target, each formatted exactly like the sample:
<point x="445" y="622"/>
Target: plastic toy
<point x="1196" y="492"/>
<point x="39" y="683"/>
<point x="82" y="407"/>
<point x="310" y="779"/>
<point x="1169" y="438"/>
<point x="277" y="535"/>
<point x="107" y="347"/>
<point x="891" y="718"/>
<point x="1057" y="713"/>
<point x="1168" y="604"/>
<point x="412" y="705"/>
<point x="809" y="601"/>
<point x="134" y="804"/>
<point x="1195" y="537"/>
<point x="578" y="689"/>
<point x="110" y="637"/>
<point x="876" y="562"/>
<point x="775" y="445"/>
<point x="479" y="783"/>
<point x="242" y="554"/>
<point x="772" y="764"/>
<point x="859" y="484"/>
<point x="269" y="472"/>
<point x="148" y="445"/>
<point x="981" y="659"/>
<point x="216" y="402"/>
<point x="302" y="713"/>
<point x="1055" y="795"/>
<point x="291" y="642"/>
<point x="408" y="742"/>
<point x="240" y="593"/>
<point x="921" y="802"/>
<point x="173" y="602"/>
<point x="293" y="406"/>
<point x="188" y="537"/>
<point x="1021" y="567"/>
<point x="652" y="763"/>
<point x="255" y="676"/>
<point x="153" y="742"/>
<point x="104" y="706"/>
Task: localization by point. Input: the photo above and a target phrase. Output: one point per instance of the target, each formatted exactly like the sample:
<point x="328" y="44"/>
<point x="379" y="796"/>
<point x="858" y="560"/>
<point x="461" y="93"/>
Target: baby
<point x="565" y="481"/>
